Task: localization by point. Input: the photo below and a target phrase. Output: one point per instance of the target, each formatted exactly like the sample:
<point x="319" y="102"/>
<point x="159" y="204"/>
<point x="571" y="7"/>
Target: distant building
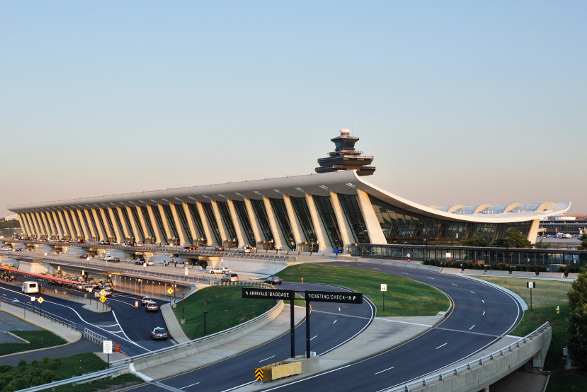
<point x="328" y="210"/>
<point x="11" y="217"/>
<point x="568" y="224"/>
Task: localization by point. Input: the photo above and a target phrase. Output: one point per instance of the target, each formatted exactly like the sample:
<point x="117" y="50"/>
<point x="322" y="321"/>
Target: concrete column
<point x="219" y="221"/>
<point x="58" y="224"/>
<point x="25" y="224"/>
<point x="156" y="229"/>
<point x="253" y="221"/>
<point x="135" y="230"/>
<point x="345" y="231"/>
<point x="191" y="225"/>
<point x="109" y="230"/>
<point x="323" y="241"/>
<point x="533" y="232"/>
<point x="99" y="227"/>
<point x="126" y="231"/>
<point x="165" y="221"/>
<point x="109" y="212"/>
<point x="73" y="216"/>
<point x="143" y="221"/>
<point x="49" y="222"/>
<point x="293" y="220"/>
<point x="183" y="239"/>
<point x="240" y="235"/>
<point x="374" y="230"/>
<point x="39" y="223"/>
<point x="84" y="218"/>
<point x="277" y="234"/>
<point x="211" y="238"/>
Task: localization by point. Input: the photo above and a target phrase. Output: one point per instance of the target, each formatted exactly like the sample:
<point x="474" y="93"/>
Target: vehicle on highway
<point x="5" y="248"/>
<point x="152" y="306"/>
<point x="219" y="248"/>
<point x="146" y="300"/>
<point x="107" y="292"/>
<point x="30" y="287"/>
<point x="158" y="333"/>
<point x="108" y="258"/>
<point x="274" y="280"/>
<point x="83" y="256"/>
<point x="229" y="278"/>
<point x="150" y="263"/>
<point x="245" y="249"/>
<point x="220" y="270"/>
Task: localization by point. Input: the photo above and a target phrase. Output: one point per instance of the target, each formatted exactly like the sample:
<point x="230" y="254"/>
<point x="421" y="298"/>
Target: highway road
<point x="125" y="325"/>
<point x="481" y="315"/>
<point x="332" y="324"/>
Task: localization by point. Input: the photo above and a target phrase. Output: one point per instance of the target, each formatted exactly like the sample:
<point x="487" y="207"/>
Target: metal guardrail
<point x="27" y="306"/>
<point x="455" y="371"/>
<point x="106" y="373"/>
<point x="93" y="336"/>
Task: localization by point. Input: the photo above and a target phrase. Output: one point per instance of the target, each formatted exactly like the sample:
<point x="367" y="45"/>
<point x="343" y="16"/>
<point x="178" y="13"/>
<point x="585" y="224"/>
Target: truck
<point x="30" y="287"/>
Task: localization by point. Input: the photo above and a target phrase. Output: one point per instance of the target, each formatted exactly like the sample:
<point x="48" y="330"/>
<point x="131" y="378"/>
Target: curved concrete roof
<point x="346" y="182"/>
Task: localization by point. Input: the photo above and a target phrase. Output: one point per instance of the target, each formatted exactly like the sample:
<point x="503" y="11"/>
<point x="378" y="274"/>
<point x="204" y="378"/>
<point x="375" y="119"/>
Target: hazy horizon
<point x="459" y="103"/>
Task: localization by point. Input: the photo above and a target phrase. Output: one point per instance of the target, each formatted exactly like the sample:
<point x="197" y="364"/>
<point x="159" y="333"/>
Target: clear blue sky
<point x="460" y="102"/>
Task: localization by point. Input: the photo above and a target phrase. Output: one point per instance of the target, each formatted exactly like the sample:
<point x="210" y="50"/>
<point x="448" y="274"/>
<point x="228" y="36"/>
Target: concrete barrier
<point x="476" y="375"/>
<point x="279" y="370"/>
<point x="159" y="357"/>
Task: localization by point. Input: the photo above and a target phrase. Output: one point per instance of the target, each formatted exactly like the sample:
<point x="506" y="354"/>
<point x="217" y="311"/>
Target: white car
<point x="220" y="270"/>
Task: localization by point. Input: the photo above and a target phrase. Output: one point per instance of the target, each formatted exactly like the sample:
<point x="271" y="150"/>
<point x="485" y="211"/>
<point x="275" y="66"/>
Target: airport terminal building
<point x="330" y="209"/>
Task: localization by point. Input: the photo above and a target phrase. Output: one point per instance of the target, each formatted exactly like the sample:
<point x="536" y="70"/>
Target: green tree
<point x="475" y="241"/>
<point x="513" y="239"/>
<point x="577" y="329"/>
<point x="583" y="245"/>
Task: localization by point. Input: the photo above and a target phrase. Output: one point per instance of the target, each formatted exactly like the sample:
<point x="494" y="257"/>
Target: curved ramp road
<point x="482" y="314"/>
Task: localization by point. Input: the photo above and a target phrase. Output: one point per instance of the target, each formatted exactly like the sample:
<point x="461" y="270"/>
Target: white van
<point x="30" y="287"/>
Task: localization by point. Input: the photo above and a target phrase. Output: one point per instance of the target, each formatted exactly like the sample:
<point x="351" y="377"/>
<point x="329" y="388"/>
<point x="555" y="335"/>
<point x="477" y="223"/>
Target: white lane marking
<point x="191" y="385"/>
<point x="339" y="308"/>
<point x="483" y="301"/>
<point x="267" y="358"/>
<point x="472" y="291"/>
<point x="441" y="346"/>
<point x="334" y="322"/>
<point x="384" y="370"/>
<point x="431" y="278"/>
<point x="483" y="313"/>
<point x="314" y="337"/>
<point x="472" y="327"/>
<point x="454" y="284"/>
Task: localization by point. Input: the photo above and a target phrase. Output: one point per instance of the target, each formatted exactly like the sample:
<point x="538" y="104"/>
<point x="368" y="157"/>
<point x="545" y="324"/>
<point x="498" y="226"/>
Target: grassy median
<point x="404" y="297"/>
<point x="36" y="340"/>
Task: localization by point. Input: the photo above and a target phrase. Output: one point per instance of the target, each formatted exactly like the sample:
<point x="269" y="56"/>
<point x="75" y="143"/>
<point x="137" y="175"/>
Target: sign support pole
<point x="292" y="328"/>
<point x="307" y="327"/>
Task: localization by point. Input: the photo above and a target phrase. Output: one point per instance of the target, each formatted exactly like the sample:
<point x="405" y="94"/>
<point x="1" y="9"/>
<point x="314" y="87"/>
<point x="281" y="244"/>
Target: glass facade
<point x="401" y="226"/>
<point x="212" y="221"/>
<point x="261" y="214"/>
<point x="354" y="217"/>
<point x="302" y="212"/>
<point x="280" y="212"/>
<point x="324" y="207"/>
<point x="126" y="220"/>
<point x="107" y="221"/>
<point x="243" y="215"/>
<point x="197" y="220"/>
<point x="226" y="219"/>
<point x="184" y="223"/>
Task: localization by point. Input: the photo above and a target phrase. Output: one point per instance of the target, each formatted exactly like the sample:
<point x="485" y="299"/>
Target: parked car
<point x="245" y="249"/>
<point x="274" y="280"/>
<point x="220" y="270"/>
<point x="83" y="256"/>
<point x="152" y="306"/>
<point x="150" y="262"/>
<point x="158" y="333"/>
<point x="229" y="278"/>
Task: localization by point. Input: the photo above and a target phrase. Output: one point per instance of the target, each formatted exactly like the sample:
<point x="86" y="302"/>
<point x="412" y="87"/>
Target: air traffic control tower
<point x="345" y="157"/>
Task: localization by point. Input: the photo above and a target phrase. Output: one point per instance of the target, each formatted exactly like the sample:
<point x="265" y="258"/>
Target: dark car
<point x="159" y="333"/>
<point x="152" y="306"/>
<point x="274" y="280"/>
<point x="229" y="278"/>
